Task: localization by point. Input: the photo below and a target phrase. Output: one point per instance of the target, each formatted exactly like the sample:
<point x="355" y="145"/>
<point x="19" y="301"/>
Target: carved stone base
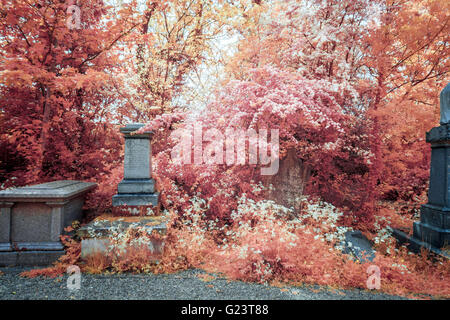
<point x="137" y="199"/>
<point x="29" y="258"/>
<point x="95" y="236"/>
<point x="131" y="186"/>
<point x="415" y="245"/>
<point x="437" y="237"/>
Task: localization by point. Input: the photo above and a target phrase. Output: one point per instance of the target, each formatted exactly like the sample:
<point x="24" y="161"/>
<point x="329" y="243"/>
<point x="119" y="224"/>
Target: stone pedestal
<point x="434" y="225"/>
<point x="33" y="218"/>
<point x="137" y="187"/>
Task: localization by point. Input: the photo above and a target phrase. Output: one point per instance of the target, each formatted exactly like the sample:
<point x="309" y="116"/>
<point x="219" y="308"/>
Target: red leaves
<point x="55" y="120"/>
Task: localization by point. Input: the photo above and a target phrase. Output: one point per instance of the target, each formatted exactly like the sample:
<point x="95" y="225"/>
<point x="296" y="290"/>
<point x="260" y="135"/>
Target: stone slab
<point x="102" y="226"/>
<point x="33" y="218"/>
<point x="38" y="246"/>
<point x="95" y="235"/>
<point x="129" y="129"/>
<point x="102" y="245"/>
<point x="415" y="245"/>
<point x="94" y="245"/>
<point x="64" y="189"/>
<point x="132" y="186"/>
<point x="359" y="246"/>
<point x="135" y="199"/>
<point x="29" y="258"/>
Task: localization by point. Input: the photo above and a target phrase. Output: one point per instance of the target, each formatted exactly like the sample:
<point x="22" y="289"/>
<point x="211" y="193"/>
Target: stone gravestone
<point x="433" y="229"/>
<point x="289" y="182"/>
<point x="137" y="187"/>
<point x="136" y="190"/>
<point x="32" y="219"/>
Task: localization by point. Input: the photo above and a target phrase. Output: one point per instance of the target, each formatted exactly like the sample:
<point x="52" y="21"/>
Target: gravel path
<point x="184" y="285"/>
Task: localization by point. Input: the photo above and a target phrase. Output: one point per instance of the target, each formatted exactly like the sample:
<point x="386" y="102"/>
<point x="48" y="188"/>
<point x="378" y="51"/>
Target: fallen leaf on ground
<point x="205" y="277"/>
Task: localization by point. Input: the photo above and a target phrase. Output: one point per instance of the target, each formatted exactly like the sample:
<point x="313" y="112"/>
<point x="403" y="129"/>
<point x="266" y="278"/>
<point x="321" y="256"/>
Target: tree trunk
<point x="44" y="131"/>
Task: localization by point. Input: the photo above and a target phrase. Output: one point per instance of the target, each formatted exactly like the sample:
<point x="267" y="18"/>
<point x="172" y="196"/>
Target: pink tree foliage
<point x="309" y="119"/>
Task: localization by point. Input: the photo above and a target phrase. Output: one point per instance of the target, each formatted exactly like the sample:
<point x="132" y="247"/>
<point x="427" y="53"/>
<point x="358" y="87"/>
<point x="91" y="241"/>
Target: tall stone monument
<point x="433" y="229"/>
<point x="137" y="187"/>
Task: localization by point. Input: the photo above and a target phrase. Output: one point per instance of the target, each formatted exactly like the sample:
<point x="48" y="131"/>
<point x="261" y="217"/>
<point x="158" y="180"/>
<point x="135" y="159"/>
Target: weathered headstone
<point x="289" y="182"/>
<point x="433" y="229"/>
<point x="137" y="187"/>
<point x="32" y="219"/>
